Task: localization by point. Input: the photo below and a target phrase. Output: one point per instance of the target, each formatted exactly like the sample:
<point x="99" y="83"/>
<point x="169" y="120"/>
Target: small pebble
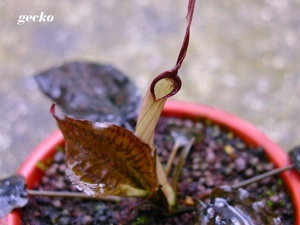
<point x="216" y="131"/>
<point x="201" y="180"/>
<point x="259" y="168"/>
<point x="59" y="156"/>
<point x="188" y="123"/>
<point x="275" y="198"/>
<point x="195" y="166"/>
<point x="196" y="174"/>
<point x="36" y="214"/>
<point x="164" y="153"/>
<point x="45" y="180"/>
<point x="209" y="182"/>
<point x="74" y="188"/>
<point x="210" y="157"/>
<point x="188" y="200"/>
<point x="201" y="188"/>
<point x="204" y="166"/>
<point x="207" y="173"/>
<point x="197" y="160"/>
<point x="60" y="184"/>
<point x="87" y="219"/>
<point x="253" y="161"/>
<point x="218" y="165"/>
<point x="65" y="212"/>
<point x="240" y="164"/>
<point x="269" y="166"/>
<point x="62" y="168"/>
<point x="227" y="170"/>
<point x="52" y="170"/>
<point x="253" y="186"/>
<point x="199" y="126"/>
<point x="249" y="172"/>
<point x="229" y="150"/>
<point x="64" y="220"/>
<point x="56" y="203"/>
<point x="240" y="145"/>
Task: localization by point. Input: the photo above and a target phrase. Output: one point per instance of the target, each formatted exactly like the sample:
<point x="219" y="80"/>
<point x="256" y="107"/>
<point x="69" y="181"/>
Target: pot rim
<point x="241" y="128"/>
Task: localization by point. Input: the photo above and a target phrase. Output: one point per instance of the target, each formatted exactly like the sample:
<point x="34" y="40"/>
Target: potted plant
<point x="243" y="129"/>
<point x="128" y="165"/>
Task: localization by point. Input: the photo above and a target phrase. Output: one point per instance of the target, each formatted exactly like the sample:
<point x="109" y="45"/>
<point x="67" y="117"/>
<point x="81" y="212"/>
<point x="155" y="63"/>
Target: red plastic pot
<point x="243" y="129"/>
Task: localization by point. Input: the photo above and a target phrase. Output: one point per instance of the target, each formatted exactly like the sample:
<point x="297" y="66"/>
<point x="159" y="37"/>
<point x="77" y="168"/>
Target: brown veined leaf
<point x="105" y="159"/>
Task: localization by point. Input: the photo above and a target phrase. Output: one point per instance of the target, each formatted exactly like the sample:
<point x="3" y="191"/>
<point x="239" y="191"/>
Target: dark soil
<point x="219" y="158"/>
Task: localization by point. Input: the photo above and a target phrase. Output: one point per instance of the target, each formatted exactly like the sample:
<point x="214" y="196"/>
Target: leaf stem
<point x="68" y="194"/>
<point x="171" y="157"/>
<point x="262" y="176"/>
<point x="181" y="161"/>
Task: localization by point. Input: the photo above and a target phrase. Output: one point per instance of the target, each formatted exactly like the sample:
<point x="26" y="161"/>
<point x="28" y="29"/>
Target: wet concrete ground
<point x="243" y="58"/>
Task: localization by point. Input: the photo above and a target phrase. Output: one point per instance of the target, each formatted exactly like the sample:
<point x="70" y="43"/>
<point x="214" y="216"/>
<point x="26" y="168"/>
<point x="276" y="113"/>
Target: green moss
<point x="280" y="182"/>
<point x="281" y="202"/>
<point x="270" y="204"/>
<point x="141" y="220"/>
<point x="48" y="161"/>
<point x="208" y="122"/>
<point x="59" y="148"/>
<point x="270" y="192"/>
<point x="41" y="165"/>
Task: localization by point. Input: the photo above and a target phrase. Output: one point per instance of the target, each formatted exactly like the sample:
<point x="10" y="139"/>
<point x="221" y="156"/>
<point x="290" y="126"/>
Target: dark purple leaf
<point x="91" y="91"/>
<point x="13" y="194"/>
<point x="295" y="157"/>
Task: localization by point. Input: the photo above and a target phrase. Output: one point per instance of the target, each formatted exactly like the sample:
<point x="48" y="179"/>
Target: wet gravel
<point x="216" y="158"/>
